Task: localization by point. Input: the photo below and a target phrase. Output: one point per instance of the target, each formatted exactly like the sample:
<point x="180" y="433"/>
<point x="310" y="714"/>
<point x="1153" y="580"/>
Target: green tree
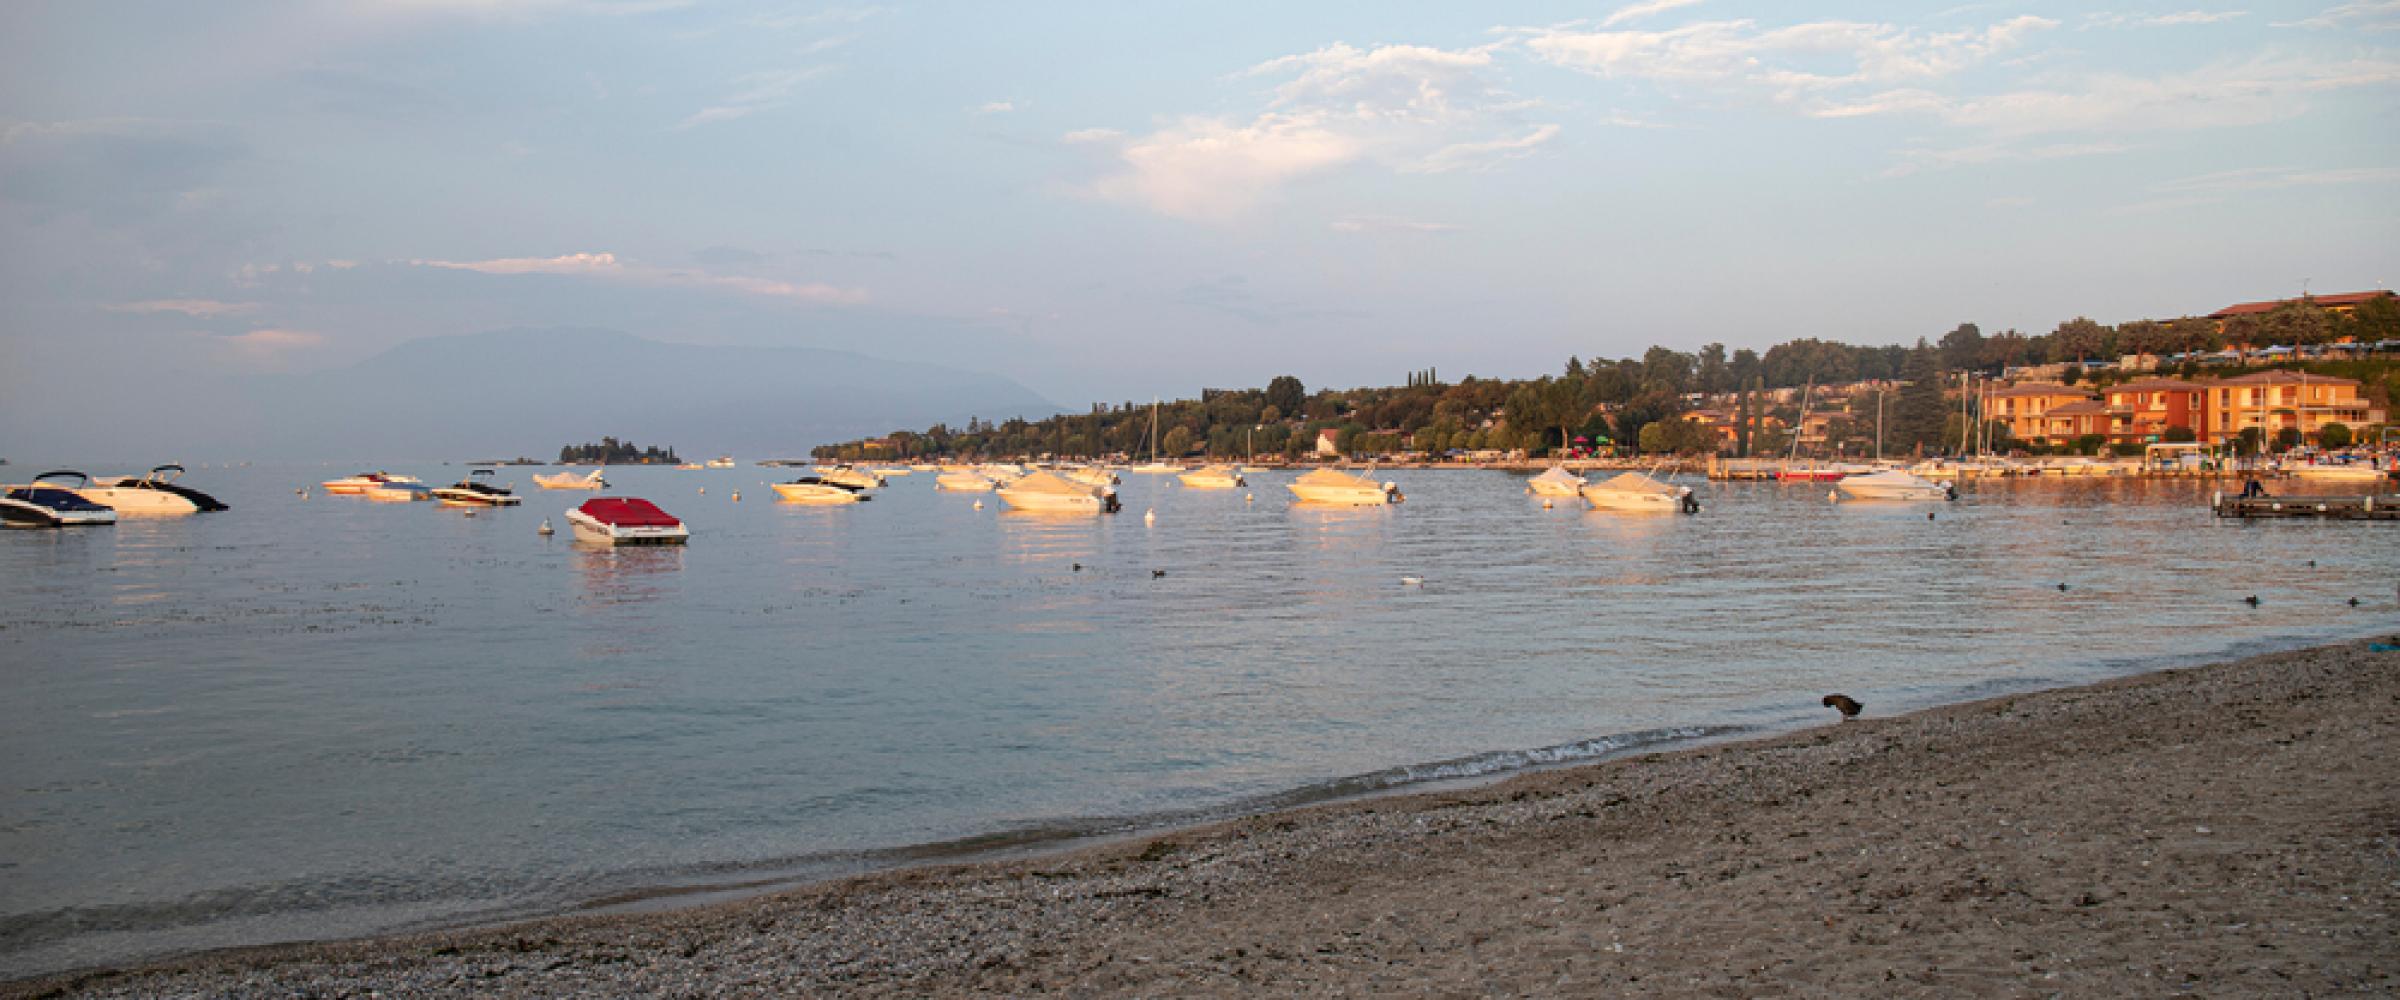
<point x="2334" y="435"/>
<point x="1962" y="348"/>
<point x="1286" y="394"/>
<point x="1178" y="442"/>
<point x="2080" y="338"/>
<point x="1916" y="418"/>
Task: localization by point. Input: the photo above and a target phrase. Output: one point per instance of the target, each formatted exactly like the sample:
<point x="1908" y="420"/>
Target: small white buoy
<point x="1412" y="581"/>
<point x="737" y="496"/>
<point x="978" y="505"/>
<point x="1150" y="516"/>
<point x="1834" y="495"/>
<point x="704" y="491"/>
<point x="469" y="513"/>
<point x="303" y="491"/>
<point x="1248" y="497"/>
<point x="545" y="528"/>
<point x="1546" y="503"/>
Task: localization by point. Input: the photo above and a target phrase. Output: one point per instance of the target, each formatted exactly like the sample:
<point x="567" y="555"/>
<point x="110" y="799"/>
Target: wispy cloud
<point x="2367" y="15"/>
<point x="995" y="107"/>
<point x="755" y="92"/>
<point x="607" y="267"/>
<point x="1804" y="65"/>
<point x="196" y="308"/>
<point x="2273" y="178"/>
<point x="1404" y="108"/>
<point x="1635" y="12"/>
<point x="2174" y="20"/>
<point x="1390" y="224"/>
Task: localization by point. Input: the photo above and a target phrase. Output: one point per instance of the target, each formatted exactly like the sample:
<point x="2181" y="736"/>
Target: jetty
<point x="2340" y="508"/>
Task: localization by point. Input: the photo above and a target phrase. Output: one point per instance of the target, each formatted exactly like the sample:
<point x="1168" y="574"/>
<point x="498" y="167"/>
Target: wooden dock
<point x="2351" y="508"/>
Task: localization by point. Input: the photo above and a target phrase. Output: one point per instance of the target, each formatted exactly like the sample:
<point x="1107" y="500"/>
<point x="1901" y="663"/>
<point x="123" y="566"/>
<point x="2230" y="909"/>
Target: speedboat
<point x="1557" y="482"/>
<point x="473" y="492"/>
<point x="720" y="462"/>
<point x="364" y="481"/>
<point x="1333" y="486"/>
<point x="407" y="492"/>
<point x="1049" y="491"/>
<point x="963" y="481"/>
<point x="1894" y="484"/>
<point x="626" y="521"/>
<point x="571" y="481"/>
<point x="1637" y="492"/>
<point x="817" y="489"/>
<point x="2365" y="473"/>
<point x="153" y="492"/>
<point x="846" y="476"/>
<point x="42" y="505"/>
<point x="1214" y="477"/>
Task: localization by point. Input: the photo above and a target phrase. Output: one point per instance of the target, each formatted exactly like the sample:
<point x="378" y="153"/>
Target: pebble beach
<point x="2228" y="830"/>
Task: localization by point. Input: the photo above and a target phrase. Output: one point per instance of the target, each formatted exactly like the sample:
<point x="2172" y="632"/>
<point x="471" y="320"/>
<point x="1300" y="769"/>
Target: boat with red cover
<point x="626" y="521"/>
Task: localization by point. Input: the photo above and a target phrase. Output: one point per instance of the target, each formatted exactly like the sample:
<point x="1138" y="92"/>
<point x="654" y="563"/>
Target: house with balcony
<point x="2143" y="410"/>
<point x="2025" y="408"/>
<point x="2280" y="400"/>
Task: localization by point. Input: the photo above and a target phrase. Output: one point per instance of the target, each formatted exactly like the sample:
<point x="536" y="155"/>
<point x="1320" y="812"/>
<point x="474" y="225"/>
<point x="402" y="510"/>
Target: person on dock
<point x="2253" y="488"/>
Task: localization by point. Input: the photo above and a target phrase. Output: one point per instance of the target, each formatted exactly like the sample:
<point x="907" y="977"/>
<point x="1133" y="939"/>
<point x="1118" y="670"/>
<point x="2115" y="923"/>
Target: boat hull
<point x="1347" y="496"/>
<point x="1623" y="500"/>
<point x="963" y="482"/>
<point x="1553" y="488"/>
<point x="2340" y="474"/>
<point x="22" y="514"/>
<point x="594" y="531"/>
<point x="1211" y="481"/>
<point x="816" y="493"/>
<point x="135" y="501"/>
<point x="569" y="481"/>
<point x="460" y="497"/>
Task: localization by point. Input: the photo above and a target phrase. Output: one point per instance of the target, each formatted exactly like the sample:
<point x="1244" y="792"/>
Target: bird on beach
<point x="1848" y="705"/>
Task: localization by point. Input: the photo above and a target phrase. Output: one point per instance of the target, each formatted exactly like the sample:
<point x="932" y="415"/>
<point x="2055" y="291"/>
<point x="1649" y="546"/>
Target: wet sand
<point x="2232" y="830"/>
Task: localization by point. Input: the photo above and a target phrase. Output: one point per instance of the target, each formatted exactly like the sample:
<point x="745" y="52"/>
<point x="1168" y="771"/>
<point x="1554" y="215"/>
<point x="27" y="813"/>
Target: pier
<point x="2340" y="508"/>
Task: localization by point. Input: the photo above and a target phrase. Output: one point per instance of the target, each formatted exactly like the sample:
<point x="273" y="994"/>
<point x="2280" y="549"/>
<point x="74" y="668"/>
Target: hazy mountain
<point x="526" y="392"/>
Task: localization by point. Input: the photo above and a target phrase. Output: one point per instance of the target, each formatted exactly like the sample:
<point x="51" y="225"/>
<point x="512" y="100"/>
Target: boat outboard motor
<point x="1392" y="490"/>
<point x="1691" y="504"/>
<point x="1949" y="491"/>
<point x="1109" y="503"/>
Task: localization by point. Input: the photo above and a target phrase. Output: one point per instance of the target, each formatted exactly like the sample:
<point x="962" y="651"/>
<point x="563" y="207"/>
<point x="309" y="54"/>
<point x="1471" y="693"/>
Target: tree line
<point x="611" y="451"/>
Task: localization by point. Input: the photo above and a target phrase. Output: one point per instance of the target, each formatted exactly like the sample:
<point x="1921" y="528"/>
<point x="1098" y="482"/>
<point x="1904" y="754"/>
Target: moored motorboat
<point x="2333" y="473"/>
<point x="153" y="493"/>
<point x="1091" y="476"/>
<point x="843" y="475"/>
<point x="1557" y="482"/>
<point x="1049" y="491"/>
<point x="1894" y="484"/>
<point x="39" y="504"/>
<point x="362" y="482"/>
<point x="1634" y="491"/>
<point x="473" y="492"/>
<point x="963" y="481"/>
<point x="398" y="492"/>
<point x="626" y="521"/>
<point x="571" y="481"/>
<point x="1214" y="477"/>
<point x="1333" y="486"/>
<point x="816" y="489"/>
<point x="720" y="462"/>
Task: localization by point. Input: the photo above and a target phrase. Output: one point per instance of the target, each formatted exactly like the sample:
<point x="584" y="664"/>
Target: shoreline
<point x="1833" y="856"/>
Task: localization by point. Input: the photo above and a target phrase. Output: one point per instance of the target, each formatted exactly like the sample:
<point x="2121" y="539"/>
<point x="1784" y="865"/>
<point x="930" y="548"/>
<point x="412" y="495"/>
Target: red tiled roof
<point x="2039" y="389"/>
<point x="2281" y="377"/>
<point x="2157" y="385"/>
<point x="2078" y="408"/>
<point x="2325" y="301"/>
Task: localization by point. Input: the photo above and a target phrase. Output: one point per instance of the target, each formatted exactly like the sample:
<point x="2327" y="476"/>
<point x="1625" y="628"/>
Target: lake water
<point x="329" y="717"/>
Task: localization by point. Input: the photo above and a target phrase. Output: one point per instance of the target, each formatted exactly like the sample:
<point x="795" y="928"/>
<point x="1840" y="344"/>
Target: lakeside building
<point x="2215" y="410"/>
<point x="2343" y="303"/>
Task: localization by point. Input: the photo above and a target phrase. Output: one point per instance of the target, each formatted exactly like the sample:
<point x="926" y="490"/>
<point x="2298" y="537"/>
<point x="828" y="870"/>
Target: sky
<point x="1109" y="201"/>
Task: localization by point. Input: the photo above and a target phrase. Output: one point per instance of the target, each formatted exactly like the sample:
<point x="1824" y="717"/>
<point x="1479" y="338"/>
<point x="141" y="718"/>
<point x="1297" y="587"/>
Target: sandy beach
<point x="2231" y="830"/>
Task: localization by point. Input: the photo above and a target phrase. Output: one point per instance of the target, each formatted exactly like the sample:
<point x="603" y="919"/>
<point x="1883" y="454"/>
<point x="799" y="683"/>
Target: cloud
<point x="1914" y="160"/>
<point x="2274" y="178"/>
<point x="1635" y="12"/>
<point x="272" y="340"/>
<point x="995" y="108"/>
<point x="122" y="170"/>
<point x="607" y="267"/>
<point x="1796" y="64"/>
<point x="2174" y="20"/>
<point x="196" y="308"/>
<point x="2367" y="15"/>
<point x="1390" y="224"/>
<point x="764" y="91"/>
<point x="1403" y="108"/>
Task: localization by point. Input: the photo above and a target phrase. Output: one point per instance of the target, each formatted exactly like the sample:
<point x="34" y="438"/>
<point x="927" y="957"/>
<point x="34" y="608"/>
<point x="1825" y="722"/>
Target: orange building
<point x="2279" y="400"/>
<point x="2142" y="410"/>
<point x="2025" y="409"/>
<point x="2215" y="410"/>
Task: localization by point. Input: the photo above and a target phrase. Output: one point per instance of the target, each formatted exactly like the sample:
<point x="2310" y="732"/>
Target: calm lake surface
<point x="328" y="717"/>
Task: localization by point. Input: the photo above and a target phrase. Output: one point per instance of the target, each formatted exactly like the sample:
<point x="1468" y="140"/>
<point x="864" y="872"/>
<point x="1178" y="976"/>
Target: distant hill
<point x="523" y="391"/>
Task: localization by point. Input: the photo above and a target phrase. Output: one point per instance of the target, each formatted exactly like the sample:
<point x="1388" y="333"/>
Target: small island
<point x="611" y="451"/>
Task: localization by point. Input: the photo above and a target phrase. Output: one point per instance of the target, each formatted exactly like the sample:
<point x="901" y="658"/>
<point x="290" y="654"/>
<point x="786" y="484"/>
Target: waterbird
<point x="545" y="529"/>
<point x="1412" y="581"/>
<point x="2062" y="588"/>
<point x="2312" y="564"/>
<point x="1929" y="515"/>
<point x="1157" y="574"/>
<point x="737" y="496"/>
<point x="1079" y="567"/>
<point x="2251" y="600"/>
<point x="2354" y="602"/>
<point x="1849" y="706"/>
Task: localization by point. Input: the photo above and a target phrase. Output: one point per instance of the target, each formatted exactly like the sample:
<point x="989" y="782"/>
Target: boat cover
<point x="1051" y="482"/>
<point x="1559" y="474"/>
<point x="55" y="498"/>
<point x="628" y="512"/>
<point x="1336" y="477"/>
<point x="1634" y="482"/>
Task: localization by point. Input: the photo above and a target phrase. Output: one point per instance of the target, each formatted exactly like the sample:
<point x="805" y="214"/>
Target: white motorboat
<point x="2331" y="473"/>
<point x="473" y="492"/>
<point x="571" y="481"/>
<point x="362" y="482"/>
<point x="816" y="489"/>
<point x="846" y="476"/>
<point x="626" y="521"/>
<point x="153" y="493"/>
<point x="1557" y="482"/>
<point x="40" y="504"/>
<point x="1214" y="477"/>
<point x="721" y="462"/>
<point x="889" y="473"/>
<point x="963" y="482"/>
<point x="1051" y="492"/>
<point x="1333" y="486"/>
<point x="407" y="492"/>
<point x="1894" y="484"/>
<point x="1634" y="491"/>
